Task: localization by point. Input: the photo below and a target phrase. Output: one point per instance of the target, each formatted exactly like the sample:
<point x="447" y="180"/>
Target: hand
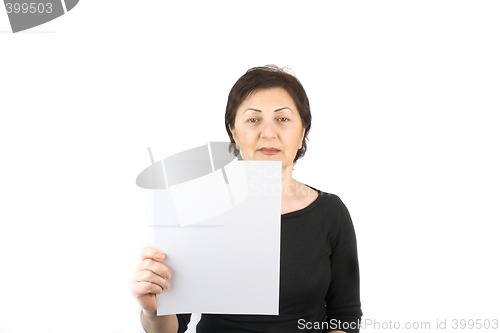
<point x="151" y="277"/>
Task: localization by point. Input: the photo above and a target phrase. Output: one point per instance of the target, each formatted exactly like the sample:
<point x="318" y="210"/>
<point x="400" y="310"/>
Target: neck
<point x="288" y="184"/>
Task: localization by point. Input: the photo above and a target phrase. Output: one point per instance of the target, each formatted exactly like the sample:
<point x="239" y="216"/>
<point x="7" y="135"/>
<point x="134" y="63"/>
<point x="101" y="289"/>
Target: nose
<point x="268" y="130"/>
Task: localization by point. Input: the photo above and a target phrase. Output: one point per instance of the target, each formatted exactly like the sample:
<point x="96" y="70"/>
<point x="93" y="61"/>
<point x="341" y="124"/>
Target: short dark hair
<point x="270" y="76"/>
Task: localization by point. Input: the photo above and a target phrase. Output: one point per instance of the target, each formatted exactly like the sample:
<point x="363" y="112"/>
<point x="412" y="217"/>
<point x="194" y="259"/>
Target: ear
<point x="233" y="133"/>
<point x="302" y="139"/>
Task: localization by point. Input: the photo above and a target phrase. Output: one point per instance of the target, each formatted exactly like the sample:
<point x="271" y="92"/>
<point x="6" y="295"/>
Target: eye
<point x="252" y="120"/>
<point x="283" y="119"/>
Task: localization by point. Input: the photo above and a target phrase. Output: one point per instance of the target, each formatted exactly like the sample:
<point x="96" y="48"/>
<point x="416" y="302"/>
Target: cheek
<point x="297" y="138"/>
<point x="246" y="142"/>
<point x="244" y="136"/>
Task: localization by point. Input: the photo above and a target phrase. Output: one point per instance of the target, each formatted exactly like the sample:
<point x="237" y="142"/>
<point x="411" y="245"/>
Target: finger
<point x="150" y="277"/>
<point x="154" y="254"/>
<point x="157" y="268"/>
<point x="145" y="288"/>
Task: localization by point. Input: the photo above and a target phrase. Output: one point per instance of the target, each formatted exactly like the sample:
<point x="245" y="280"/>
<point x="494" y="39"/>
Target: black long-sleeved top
<point x="319" y="276"/>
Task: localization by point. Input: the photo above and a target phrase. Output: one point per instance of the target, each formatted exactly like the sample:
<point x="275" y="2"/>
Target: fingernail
<point x="159" y="256"/>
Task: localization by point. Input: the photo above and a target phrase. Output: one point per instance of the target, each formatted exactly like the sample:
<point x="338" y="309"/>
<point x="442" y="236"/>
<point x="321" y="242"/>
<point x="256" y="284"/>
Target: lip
<point x="269" y="151"/>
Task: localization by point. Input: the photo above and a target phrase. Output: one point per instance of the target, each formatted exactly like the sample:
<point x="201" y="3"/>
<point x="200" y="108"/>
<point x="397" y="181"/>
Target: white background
<point x="404" y="96"/>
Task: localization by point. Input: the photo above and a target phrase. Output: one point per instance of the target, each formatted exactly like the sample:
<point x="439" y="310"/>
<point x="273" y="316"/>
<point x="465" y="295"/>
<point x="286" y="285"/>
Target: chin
<point x="262" y="157"/>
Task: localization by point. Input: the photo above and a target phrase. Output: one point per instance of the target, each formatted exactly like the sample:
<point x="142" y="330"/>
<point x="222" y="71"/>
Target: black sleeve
<point x="183" y="320"/>
<point x="343" y="306"/>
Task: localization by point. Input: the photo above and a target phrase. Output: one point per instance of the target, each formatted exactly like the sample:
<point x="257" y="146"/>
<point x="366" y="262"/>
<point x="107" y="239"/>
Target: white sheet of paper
<point x="228" y="262"/>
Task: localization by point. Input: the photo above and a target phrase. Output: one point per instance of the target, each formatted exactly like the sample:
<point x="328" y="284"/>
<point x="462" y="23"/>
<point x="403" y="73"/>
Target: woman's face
<point x="268" y="127"/>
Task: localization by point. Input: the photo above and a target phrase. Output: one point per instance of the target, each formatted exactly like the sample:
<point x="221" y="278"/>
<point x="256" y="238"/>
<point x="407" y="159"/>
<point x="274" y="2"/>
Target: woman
<point x="268" y="118"/>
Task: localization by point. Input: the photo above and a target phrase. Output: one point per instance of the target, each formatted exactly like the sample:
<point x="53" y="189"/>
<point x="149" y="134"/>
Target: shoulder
<point x="331" y="197"/>
<point x="332" y="207"/>
<point x="337" y="219"/>
<point x="329" y="200"/>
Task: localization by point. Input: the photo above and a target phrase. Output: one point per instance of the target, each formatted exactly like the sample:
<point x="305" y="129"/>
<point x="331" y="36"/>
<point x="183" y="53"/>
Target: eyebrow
<point x="278" y="109"/>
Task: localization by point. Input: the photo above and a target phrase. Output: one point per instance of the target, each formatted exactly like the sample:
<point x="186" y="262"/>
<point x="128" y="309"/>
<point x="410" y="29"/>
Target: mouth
<point x="269" y="151"/>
